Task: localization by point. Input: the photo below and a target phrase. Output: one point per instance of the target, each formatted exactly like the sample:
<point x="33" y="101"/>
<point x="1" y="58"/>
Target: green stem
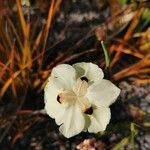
<point x="107" y="60"/>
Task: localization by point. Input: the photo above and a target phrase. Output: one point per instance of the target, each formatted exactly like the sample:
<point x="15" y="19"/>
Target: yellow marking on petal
<point x="66" y="97"/>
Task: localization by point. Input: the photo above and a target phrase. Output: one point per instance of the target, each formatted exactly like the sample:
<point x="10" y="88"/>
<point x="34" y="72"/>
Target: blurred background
<point x="37" y="35"/>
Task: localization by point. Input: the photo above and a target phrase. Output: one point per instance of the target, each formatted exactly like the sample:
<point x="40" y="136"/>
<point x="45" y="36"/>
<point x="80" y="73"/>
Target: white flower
<point x="25" y="3"/>
<point x="78" y="98"/>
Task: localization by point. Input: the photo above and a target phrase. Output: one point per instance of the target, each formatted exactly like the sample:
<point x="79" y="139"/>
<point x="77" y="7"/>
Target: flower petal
<point x="103" y="94"/>
<point x="90" y="70"/>
<point x="99" y="120"/>
<point x="66" y="74"/>
<point x="80" y="87"/>
<point x="73" y="121"/>
<point x="51" y="91"/>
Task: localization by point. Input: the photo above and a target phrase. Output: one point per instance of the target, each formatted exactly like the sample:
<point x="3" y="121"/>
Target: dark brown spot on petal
<point x="58" y="99"/>
<point x="84" y="79"/>
<point x="89" y="111"/>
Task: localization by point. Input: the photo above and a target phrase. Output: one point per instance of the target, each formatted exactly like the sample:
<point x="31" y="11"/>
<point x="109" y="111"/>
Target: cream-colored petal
<point x="73" y="121"/>
<point x="54" y="110"/>
<point x="93" y="73"/>
<point x="99" y="120"/>
<point x="51" y="91"/>
<point x="87" y="123"/>
<point x="103" y="94"/>
<point x="66" y="74"/>
<point x="80" y="87"/>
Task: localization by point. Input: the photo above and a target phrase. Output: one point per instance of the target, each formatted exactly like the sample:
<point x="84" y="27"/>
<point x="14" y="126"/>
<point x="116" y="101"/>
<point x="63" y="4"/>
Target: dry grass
<point x="20" y="53"/>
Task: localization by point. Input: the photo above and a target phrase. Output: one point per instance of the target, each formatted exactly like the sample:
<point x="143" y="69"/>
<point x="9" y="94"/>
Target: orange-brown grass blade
<point x="128" y="35"/>
<point x="142" y="81"/>
<point x="4" y="68"/>
<point x="20" y="133"/>
<point x="15" y="32"/>
<point x="37" y="41"/>
<point x="57" y="5"/>
<point x="126" y="51"/>
<point x="27" y="51"/>
<point x="26" y="32"/>
<point x="46" y="32"/>
<point x="8" y="83"/>
<point x="41" y="82"/>
<point x="21" y="17"/>
<point x="15" y="75"/>
<point x="12" y="69"/>
<point x="133" y="69"/>
<point x="4" y="36"/>
<point x="2" y="49"/>
<point x="138" y="71"/>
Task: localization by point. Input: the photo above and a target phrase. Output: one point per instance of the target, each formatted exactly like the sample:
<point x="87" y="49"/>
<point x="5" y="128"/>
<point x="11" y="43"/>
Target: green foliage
<point x="107" y="59"/>
<point x="121" y="144"/>
<point x="122" y="2"/>
<point x="146" y="14"/>
<point x="132" y="128"/>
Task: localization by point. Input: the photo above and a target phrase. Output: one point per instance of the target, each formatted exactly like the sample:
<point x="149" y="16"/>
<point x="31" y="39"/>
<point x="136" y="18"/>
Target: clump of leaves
<point x="22" y="46"/>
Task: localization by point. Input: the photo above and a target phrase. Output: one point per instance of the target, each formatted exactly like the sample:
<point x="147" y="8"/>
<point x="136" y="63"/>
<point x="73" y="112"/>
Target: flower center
<point x="77" y="95"/>
<point x="66" y="97"/>
<point x="80" y="88"/>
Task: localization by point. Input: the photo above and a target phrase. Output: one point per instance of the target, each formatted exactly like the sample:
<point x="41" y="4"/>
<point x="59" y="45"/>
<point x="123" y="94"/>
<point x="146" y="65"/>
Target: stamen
<point x="89" y="111"/>
<point x="84" y="79"/>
